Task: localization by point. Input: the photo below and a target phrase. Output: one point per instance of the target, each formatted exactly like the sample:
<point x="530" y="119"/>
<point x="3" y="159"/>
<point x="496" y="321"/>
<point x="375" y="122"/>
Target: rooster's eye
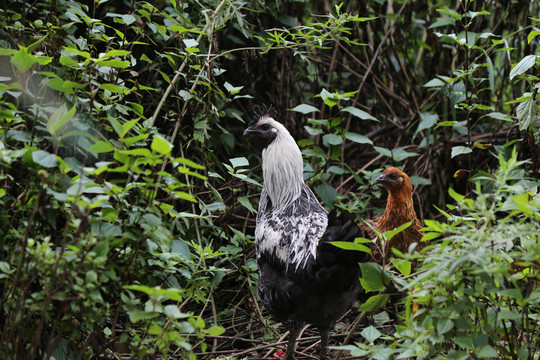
<point x="265" y="127"/>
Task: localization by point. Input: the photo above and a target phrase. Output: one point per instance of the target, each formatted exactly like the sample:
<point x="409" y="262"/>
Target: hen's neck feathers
<point x="399" y="208"/>
<point x="282" y="169"/>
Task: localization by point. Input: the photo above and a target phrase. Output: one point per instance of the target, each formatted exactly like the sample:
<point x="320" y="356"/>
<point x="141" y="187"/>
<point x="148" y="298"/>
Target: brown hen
<point x="399" y="210"/>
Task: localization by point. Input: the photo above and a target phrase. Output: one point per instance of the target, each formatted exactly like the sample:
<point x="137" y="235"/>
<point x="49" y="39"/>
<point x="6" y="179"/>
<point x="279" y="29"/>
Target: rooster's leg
<point x="325" y="333"/>
<point x="291" y="346"/>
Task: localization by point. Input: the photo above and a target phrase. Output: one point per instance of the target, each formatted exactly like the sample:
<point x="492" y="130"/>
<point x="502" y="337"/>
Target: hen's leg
<point x="291" y="345"/>
<point x="325" y="334"/>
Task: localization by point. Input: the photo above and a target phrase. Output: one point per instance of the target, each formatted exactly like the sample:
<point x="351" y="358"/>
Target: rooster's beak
<point x="248" y="130"/>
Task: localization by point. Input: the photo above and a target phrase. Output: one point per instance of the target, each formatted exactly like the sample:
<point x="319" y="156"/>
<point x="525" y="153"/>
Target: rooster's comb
<point x="264" y="111"/>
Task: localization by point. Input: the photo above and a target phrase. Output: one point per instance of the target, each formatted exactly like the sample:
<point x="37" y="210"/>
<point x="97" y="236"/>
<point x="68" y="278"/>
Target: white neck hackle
<point x="282" y="168"/>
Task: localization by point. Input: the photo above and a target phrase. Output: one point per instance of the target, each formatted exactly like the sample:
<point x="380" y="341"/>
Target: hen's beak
<point x="380" y="179"/>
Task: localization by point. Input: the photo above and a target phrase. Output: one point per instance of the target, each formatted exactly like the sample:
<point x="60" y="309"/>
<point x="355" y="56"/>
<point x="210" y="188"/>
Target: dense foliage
<point x="128" y="192"/>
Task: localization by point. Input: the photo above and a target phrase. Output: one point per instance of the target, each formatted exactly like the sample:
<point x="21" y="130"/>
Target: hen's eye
<point x="265" y="127"/>
<point x="393" y="176"/>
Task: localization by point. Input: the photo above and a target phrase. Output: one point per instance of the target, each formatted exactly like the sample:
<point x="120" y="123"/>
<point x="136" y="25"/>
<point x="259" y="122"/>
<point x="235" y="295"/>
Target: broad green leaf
<point x="215" y="330"/>
<point x="464" y="341"/>
<point x="358" y="138"/>
<point x="327" y="193"/>
<point x="488" y="352"/>
<point x="174" y="312"/>
<point x="525" y="64"/>
<point x="190" y="43"/>
<point x="23" y="60"/>
<point x="460" y="150"/>
<point x="161" y="145"/>
<point x="4" y="267"/>
<point x="59" y="119"/>
<point x="374" y="303"/>
<point x="371" y="334"/>
<point x="444" y="326"/>
<point x="233" y="90"/>
<point x="138" y="315"/>
<point x="44" y="158"/>
<point x="239" y="162"/>
<point x="526" y="113"/>
<point x="114" y="88"/>
<point x="332" y="139"/>
<point x="403" y="266"/>
<point x="418" y="180"/>
<point x="435" y="82"/>
<point x="101" y="147"/>
<point x="532" y="35"/>
<point x="112" y="53"/>
<point x="361" y="114"/>
<point x="427" y="122"/>
<point x="247" y="204"/>
<point x="372" y="277"/>
<point x="450" y="12"/>
<point x="499" y="116"/>
<point x="114" y="63"/>
<point x="305" y="109"/>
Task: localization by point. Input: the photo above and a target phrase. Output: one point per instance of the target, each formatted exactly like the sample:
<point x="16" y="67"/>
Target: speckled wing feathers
<point x="292" y="235"/>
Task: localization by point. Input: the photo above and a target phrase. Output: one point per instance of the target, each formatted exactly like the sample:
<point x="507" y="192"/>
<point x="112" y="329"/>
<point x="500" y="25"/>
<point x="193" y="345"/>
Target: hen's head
<point x="395" y="181"/>
<point x="264" y="128"/>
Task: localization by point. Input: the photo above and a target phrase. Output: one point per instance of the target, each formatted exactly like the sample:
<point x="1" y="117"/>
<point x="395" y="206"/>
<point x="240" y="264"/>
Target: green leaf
<point x="361" y="114"/>
<point x="327" y="193"/>
<point x="526" y="113"/>
<point x="138" y="315"/>
<point x="427" y="122"/>
<point x="67" y="61"/>
<point x="247" y="204"/>
<point x="374" y="303"/>
<point x="358" y="138"/>
<point x="372" y="277"/>
<point x="59" y="119"/>
<point x="460" y="150"/>
<point x="371" y="334"/>
<point x="464" y="341"/>
<point x="161" y="145"/>
<point x="332" y="139"/>
<point x="435" y="82"/>
<point x="532" y="35"/>
<point x="444" y="326"/>
<point x="499" y="116"/>
<point x="174" y="312"/>
<point x="418" y="180"/>
<point x="488" y="352"/>
<point x="4" y="267"/>
<point x="23" y="60"/>
<point x="403" y="266"/>
<point x="525" y="64"/>
<point x="114" y="63"/>
<point x="239" y="162"/>
<point x="114" y="88"/>
<point x="305" y="109"/>
<point x="347" y="245"/>
<point x="391" y="233"/>
<point x="101" y="147"/>
<point x="215" y="330"/>
<point x="44" y="158"/>
<point x="232" y="89"/>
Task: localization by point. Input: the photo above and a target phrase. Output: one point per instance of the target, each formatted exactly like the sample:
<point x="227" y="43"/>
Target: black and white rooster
<point x="302" y="277"/>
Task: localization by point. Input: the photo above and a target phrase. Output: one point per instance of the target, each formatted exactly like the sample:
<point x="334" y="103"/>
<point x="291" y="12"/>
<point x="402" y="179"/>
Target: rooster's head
<point x="264" y="127"/>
